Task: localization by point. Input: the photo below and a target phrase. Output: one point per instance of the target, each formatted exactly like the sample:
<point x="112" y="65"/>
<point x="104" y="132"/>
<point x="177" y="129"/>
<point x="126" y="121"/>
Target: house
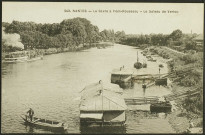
<point x="102" y="104"/>
<point x="199" y="40"/>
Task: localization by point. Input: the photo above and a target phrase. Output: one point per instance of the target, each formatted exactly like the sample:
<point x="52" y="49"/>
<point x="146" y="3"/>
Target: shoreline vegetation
<point x="186" y="65"/>
<point x="36" y="52"/>
<point x="189" y="109"/>
<point x="185" y="56"/>
<point x="69" y="35"/>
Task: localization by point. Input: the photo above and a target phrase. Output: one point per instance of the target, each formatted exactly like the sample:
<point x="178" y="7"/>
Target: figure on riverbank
<point x="30" y="112"/>
<point x="144" y="86"/>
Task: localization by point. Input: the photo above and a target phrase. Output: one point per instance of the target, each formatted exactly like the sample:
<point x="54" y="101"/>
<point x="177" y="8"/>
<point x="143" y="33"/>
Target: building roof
<point x="100" y="97"/>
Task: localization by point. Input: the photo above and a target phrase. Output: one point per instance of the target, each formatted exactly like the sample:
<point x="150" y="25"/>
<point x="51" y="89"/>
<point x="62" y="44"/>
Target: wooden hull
<point x="144" y="65"/>
<point x="54" y="127"/>
<point x="15" y="60"/>
<point x="138" y="65"/>
<point x="161" y="81"/>
<point x="21" y="60"/>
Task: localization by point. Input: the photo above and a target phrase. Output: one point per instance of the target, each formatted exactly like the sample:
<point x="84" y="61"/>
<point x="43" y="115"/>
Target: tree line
<point x="80" y="31"/>
<point x="175" y="39"/>
<point x="68" y="33"/>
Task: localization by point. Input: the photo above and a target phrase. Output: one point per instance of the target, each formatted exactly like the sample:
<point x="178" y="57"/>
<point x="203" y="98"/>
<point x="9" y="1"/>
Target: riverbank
<point x="191" y="66"/>
<point x="50" y="51"/>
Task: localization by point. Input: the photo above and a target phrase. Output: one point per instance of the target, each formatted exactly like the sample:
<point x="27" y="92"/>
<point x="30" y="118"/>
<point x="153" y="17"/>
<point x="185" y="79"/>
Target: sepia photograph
<point x="102" y="68"/>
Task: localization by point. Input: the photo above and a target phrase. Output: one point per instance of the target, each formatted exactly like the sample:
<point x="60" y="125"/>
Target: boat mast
<point x="102" y="100"/>
<point x="137" y="57"/>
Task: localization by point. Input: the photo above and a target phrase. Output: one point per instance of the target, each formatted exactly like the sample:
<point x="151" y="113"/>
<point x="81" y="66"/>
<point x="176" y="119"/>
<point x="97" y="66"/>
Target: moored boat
<point x="151" y="59"/>
<point x="47" y="124"/>
<point x="20" y="56"/>
<point x="161" y="65"/>
<point x="144" y="65"/>
<point x="15" y="60"/>
<point x="148" y="56"/>
<point x="138" y="65"/>
<point x="161" y="81"/>
<point x="161" y="106"/>
<point x="35" y="58"/>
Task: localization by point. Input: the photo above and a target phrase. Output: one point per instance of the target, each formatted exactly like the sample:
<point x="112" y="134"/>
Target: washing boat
<point x="15" y="60"/>
<point x="46" y="124"/>
<point x="20" y="56"/>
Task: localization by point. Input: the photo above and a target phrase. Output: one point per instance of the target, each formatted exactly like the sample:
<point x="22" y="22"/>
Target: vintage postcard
<point x="97" y="67"/>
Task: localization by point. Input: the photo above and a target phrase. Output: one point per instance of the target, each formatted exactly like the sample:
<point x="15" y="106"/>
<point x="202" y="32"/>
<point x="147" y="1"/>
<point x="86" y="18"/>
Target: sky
<point x="187" y="17"/>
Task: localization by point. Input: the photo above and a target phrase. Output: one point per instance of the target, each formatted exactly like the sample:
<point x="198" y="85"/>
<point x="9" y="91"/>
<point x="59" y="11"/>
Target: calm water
<point x="51" y="87"/>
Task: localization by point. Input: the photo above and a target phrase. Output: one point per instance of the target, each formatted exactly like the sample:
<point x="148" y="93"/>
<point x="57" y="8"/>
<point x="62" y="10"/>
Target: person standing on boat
<point x="30" y="112"/>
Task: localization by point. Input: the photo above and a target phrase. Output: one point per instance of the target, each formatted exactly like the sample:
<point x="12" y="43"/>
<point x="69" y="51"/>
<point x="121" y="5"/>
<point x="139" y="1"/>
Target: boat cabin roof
<point x="98" y="97"/>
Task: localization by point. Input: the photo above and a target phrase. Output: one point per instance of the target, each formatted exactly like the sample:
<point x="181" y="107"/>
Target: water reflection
<point x="147" y="114"/>
<point x="147" y="122"/>
<point x="29" y="129"/>
<point x="33" y="129"/>
<point x="103" y="130"/>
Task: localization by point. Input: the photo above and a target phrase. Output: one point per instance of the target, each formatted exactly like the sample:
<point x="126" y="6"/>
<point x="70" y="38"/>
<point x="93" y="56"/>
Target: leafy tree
<point x="176" y="35"/>
<point x="190" y="45"/>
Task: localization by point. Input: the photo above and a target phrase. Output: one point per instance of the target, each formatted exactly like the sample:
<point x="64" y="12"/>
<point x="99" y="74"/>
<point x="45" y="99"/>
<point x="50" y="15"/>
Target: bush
<point x="192" y="78"/>
<point x="193" y="104"/>
<point x="188" y="59"/>
<point x="177" y="43"/>
<point x="190" y="45"/>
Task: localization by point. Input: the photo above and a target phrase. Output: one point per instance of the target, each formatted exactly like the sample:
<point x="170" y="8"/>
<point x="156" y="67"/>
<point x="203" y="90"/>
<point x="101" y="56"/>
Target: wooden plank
<point x="182" y="95"/>
<point x="141" y="100"/>
<point x="127" y="79"/>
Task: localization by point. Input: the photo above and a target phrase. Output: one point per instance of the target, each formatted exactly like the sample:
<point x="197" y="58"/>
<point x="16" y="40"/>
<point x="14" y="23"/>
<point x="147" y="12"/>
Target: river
<point x="51" y="87"/>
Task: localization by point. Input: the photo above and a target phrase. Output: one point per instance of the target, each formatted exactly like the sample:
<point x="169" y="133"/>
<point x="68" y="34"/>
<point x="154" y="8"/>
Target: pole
<point x="159" y="72"/>
<point x="137" y="57"/>
<point x="102" y="101"/>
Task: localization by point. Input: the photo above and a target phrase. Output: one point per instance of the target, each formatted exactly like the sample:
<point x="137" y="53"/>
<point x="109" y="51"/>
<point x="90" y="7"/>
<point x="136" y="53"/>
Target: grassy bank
<point x="187" y="69"/>
<point x="191" y="64"/>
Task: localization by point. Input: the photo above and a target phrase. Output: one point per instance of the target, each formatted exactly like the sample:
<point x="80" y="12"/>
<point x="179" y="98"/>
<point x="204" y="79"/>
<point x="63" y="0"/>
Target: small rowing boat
<point x="47" y="124"/>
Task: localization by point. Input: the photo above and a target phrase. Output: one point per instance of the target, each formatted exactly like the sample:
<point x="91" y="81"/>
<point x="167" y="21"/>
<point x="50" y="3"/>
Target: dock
<point x="141" y="100"/>
<point x="126" y="78"/>
<point x="155" y="99"/>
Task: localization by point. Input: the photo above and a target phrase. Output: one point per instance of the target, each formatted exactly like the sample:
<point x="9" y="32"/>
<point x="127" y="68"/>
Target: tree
<point x="176" y="35"/>
<point x="190" y="45"/>
<point x="119" y="35"/>
<point x="68" y="33"/>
